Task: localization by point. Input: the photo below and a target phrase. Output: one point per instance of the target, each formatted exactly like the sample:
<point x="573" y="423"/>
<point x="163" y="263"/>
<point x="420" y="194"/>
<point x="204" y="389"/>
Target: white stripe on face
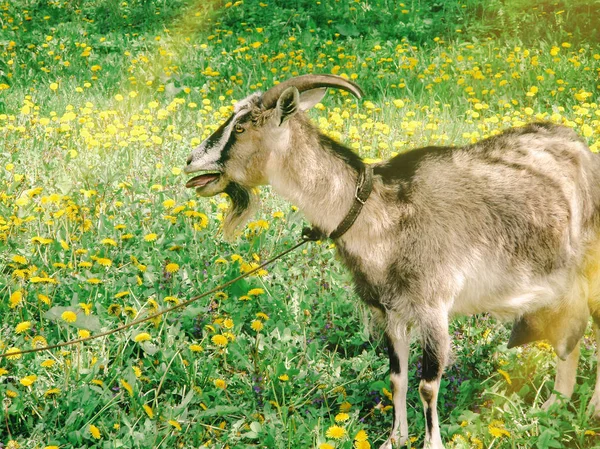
<point x="207" y="155"/>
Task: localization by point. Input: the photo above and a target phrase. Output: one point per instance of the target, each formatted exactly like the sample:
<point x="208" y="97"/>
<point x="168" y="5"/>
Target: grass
<point x="100" y="104"/>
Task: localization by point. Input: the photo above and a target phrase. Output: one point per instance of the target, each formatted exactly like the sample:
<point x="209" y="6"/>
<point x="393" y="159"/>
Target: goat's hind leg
<point x="398" y="349"/>
<point x="566" y="376"/>
<point x="436" y="350"/>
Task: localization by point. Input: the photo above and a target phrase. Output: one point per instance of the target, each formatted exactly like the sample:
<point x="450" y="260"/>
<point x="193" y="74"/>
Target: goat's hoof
<point x="393" y="443"/>
<point x="549" y="403"/>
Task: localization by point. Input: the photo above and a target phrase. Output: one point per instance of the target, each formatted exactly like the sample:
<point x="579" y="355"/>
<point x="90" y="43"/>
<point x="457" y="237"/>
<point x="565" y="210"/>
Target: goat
<point x="509" y="225"/>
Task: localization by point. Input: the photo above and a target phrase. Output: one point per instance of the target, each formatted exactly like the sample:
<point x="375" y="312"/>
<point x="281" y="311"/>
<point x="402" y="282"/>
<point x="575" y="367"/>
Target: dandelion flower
<point x="15" y="299"/>
<point x="127" y="387"/>
<point x="362" y="445"/>
<point x="219" y="340"/>
<point x="69" y="316"/>
<point x="257" y="325"/>
<point x="335" y="432"/>
<point x="256" y="292"/>
<point x="361" y="436"/>
<point x="171" y="268"/>
<point x="196" y="348"/>
<point x="148" y="411"/>
<point x="220" y="383"/>
<point x="83" y="333"/>
<point x="284" y="378"/>
<point x="108" y="242"/>
<point x="175" y="424"/>
<point x="28" y="381"/>
<point x="95" y="432"/>
<point x="342" y="417"/>
<point x="326" y="446"/>
<point x="48" y="363"/>
<point x="150" y="237"/>
<point x="22" y="327"/>
<point x="142" y="336"/>
<point x="52" y="392"/>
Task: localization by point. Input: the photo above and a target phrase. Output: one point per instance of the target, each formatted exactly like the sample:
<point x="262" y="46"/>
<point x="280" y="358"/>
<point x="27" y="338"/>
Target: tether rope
<point x="305" y="239"/>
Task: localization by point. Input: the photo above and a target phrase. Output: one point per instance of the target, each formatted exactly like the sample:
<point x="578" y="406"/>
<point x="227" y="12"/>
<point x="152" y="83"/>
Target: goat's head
<point x="234" y="158"/>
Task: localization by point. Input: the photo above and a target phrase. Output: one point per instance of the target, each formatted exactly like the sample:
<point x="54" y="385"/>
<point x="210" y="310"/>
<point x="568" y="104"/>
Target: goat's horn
<point x="308" y="82"/>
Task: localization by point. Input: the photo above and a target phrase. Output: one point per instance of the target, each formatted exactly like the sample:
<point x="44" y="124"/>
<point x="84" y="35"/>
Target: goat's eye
<point x="239" y="128"/>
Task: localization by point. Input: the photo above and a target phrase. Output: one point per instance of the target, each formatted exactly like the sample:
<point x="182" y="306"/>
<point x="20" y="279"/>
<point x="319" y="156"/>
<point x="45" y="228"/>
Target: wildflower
<point x="130" y="312"/>
<point x="108" y="242"/>
<point x="361" y="436"/>
<point x="28" y="381"/>
<point x="38" y="342"/>
<point x="95" y="432"/>
<point x="171" y="268"/>
<point x="104" y="262"/>
<point x="284" y="378"/>
<point x="114" y="309"/>
<point x="69" y="316"/>
<point x="12" y="444"/>
<point x="150" y="237"/>
<point x="220" y="383"/>
<point x="142" y="336"/>
<point x="94" y="281"/>
<point x="127" y="387"/>
<point x="52" y="392"/>
<point x="44" y="299"/>
<point x="148" y="411"/>
<point x="19" y="259"/>
<point x="326" y="446"/>
<point x="257" y="325"/>
<point x="219" y="340"/>
<point x="362" y="445"/>
<point x="83" y="333"/>
<point x="196" y="348"/>
<point x="345" y="407"/>
<point x="262" y="315"/>
<point x="341" y="417"/>
<point x="506" y="376"/>
<point x="22" y="327"/>
<point x="15" y="299"/>
<point x="3" y="371"/>
<point x="171" y="300"/>
<point x="278" y="214"/>
<point x="175" y="424"/>
<point x="497" y="430"/>
<point x="256" y="292"/>
<point x="335" y="432"/>
<point x="87" y="308"/>
<point x="121" y="294"/>
<point x="48" y="363"/>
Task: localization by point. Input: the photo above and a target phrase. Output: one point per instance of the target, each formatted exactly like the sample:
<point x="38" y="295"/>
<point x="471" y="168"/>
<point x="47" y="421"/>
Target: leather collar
<point x="364" y="186"/>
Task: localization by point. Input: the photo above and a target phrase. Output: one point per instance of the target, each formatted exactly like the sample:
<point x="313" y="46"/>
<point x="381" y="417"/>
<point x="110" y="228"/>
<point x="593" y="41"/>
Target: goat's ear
<point x="287" y="104"/>
<point x="311" y="97"/>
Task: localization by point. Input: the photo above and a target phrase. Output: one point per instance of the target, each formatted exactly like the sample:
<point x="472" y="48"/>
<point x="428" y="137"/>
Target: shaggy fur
<point x="509" y="226"/>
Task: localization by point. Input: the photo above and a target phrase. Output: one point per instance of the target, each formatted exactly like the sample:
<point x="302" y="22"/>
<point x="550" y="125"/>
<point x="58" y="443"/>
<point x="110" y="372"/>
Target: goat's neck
<point x="312" y="175"/>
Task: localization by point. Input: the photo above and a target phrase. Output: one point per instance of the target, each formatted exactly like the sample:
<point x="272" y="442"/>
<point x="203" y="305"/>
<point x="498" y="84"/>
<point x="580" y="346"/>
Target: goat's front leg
<point x="398" y="347"/>
<point x="594" y="405"/>
<point x="436" y="348"/>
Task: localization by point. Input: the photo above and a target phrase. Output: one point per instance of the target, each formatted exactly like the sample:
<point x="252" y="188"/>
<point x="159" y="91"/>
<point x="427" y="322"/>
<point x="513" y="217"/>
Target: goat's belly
<point x="510" y="302"/>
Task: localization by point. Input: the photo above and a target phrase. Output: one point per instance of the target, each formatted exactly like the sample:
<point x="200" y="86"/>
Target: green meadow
<point x="101" y="101"/>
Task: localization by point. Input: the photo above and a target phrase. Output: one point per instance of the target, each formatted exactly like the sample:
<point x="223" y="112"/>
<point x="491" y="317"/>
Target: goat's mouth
<point x="203" y="179"/>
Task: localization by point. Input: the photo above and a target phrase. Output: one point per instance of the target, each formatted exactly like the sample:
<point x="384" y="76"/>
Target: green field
<point x="101" y="101"/>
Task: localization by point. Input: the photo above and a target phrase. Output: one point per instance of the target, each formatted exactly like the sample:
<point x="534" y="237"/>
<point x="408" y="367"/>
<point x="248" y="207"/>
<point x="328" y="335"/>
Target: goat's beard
<point x="244" y="203"/>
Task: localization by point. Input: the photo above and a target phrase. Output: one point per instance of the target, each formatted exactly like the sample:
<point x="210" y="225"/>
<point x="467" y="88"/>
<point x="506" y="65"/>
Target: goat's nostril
<point x="189" y="160"/>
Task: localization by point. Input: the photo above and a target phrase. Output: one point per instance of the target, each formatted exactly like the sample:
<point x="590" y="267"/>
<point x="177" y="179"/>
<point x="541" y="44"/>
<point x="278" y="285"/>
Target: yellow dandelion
<point x="95" y="432"/>
<point x="127" y="387"/>
<point x="362" y="445"/>
<point x="361" y="436"/>
<point x="43" y="298"/>
<point x="171" y="268"/>
<point x="94" y="281"/>
<point x="19" y="259"/>
<point x="142" y="336"/>
<point x="256" y="292"/>
<point x="3" y="371"/>
<point x="326" y="446"/>
<point x="497" y="430"/>
<point x="263" y="316"/>
<point x="121" y="294"/>
<point x="335" y="432"/>
<point x="108" y="242"/>
<point x="342" y="417"/>
<point x="11" y="393"/>
<point x="148" y="411"/>
<point x="150" y="237"/>
<point x="196" y="348"/>
<point x="69" y="316"/>
<point x="506" y="376"/>
<point x="114" y="309"/>
<point x="83" y="333"/>
<point x="16" y="298"/>
<point x="257" y="325"/>
<point x="104" y="262"/>
<point x="48" y="363"/>
<point x="345" y="407"/>
<point x="23" y="327"/>
<point x="284" y="378"/>
<point x="175" y="424"/>
<point x="28" y="381"/>
<point x="52" y="392"/>
<point x="219" y="340"/>
<point x="130" y="312"/>
<point x="220" y="383"/>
